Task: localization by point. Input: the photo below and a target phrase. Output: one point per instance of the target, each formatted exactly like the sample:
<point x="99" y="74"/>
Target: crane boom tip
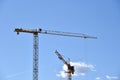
<point x="89" y="37"/>
<point x="59" y="55"/>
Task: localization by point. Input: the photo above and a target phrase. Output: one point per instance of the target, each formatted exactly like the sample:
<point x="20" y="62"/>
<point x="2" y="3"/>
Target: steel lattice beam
<point x="35" y="56"/>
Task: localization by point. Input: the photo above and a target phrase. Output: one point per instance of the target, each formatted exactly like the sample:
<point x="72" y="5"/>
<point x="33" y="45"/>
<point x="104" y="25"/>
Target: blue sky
<point x="99" y="18"/>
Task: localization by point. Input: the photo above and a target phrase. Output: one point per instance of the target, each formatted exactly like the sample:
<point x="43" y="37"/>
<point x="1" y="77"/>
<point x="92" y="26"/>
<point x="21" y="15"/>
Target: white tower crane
<point x="35" y="45"/>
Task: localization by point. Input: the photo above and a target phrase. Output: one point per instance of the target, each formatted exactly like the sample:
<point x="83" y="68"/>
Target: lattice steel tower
<point x="35" y="56"/>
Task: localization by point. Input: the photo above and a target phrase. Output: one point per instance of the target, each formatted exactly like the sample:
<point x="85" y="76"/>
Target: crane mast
<point x="35" y="56"/>
<point x="36" y="49"/>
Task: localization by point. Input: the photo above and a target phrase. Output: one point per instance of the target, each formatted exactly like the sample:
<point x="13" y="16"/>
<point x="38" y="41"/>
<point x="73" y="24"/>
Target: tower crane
<point x="35" y="43"/>
<point x="70" y="69"/>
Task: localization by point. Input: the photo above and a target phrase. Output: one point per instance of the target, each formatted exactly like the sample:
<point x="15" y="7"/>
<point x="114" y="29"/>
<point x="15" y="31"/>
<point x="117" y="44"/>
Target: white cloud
<point x="97" y="78"/>
<point x="80" y="69"/>
<point x="62" y="74"/>
<point x="14" y="75"/>
<point x="112" y="77"/>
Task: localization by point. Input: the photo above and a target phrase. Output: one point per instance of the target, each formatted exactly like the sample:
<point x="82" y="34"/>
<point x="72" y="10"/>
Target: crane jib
<point x="60" y="33"/>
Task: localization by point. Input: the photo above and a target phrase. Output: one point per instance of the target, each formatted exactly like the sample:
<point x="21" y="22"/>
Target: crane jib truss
<point x="35" y="43"/>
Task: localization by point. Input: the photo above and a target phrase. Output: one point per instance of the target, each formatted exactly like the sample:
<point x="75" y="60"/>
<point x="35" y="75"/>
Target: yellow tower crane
<point x="70" y="69"/>
<point x="35" y="45"/>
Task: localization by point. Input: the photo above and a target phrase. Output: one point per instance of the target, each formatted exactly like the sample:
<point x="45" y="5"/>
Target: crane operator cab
<point x="71" y="69"/>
